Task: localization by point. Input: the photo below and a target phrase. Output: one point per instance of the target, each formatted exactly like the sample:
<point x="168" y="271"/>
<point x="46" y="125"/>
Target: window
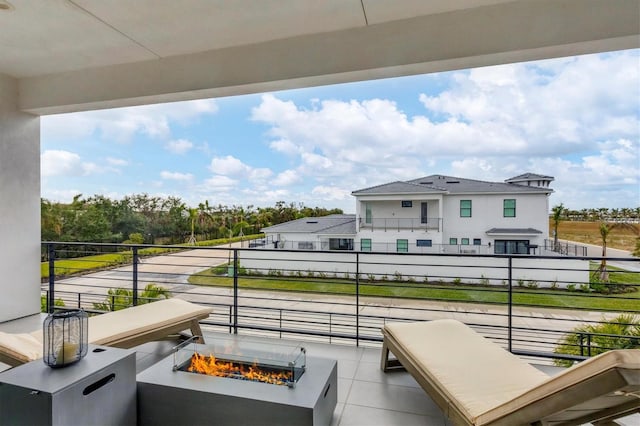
<point x="477" y="242"/>
<point x="367" y="213"/>
<point x="423" y="243"/>
<point x="402" y="246"/>
<point x="465" y="208"/>
<point x="509" y="208"/>
<point x="365" y="244"/>
<point x="340" y="244"/>
<point x="464" y="241"/>
<point x="453" y="241"/>
<point x="511" y="247"/>
<point x="407" y="204"/>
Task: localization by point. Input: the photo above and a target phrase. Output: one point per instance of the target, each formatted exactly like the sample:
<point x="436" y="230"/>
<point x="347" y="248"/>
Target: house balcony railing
<point x="346" y="297"/>
<point x="402" y="224"/>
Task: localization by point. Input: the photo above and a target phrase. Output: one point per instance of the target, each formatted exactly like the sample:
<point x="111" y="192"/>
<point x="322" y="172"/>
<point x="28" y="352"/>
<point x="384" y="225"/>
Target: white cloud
<point x="331" y="193"/>
<point x="219" y="183"/>
<point x="117" y="162"/>
<point x="286" y="178"/>
<point x="228" y="166"/>
<point x="177" y="176"/>
<point x="121" y="124"/>
<point x="179" y="146"/>
<point x="65" y="163"/>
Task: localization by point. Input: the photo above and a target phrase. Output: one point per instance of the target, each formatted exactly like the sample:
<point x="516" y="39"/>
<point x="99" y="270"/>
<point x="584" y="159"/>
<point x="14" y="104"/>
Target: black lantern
<point x="65" y="338"/>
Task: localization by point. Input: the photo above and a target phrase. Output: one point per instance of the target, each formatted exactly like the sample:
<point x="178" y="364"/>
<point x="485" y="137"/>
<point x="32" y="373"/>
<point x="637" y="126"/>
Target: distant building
<point x="433" y="214"/>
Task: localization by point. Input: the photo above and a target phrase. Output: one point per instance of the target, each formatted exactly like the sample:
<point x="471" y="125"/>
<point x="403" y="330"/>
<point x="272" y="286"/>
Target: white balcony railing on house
<point x="402" y="224"/>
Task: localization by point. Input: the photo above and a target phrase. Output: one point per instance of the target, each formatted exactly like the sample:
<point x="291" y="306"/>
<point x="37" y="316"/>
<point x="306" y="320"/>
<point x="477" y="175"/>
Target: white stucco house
<point x="432" y="214"/>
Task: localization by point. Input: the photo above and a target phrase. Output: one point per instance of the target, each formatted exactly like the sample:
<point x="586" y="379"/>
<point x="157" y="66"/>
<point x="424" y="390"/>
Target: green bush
<point x="122" y="298"/>
<point x="43" y="303"/>
<point x="622" y="332"/>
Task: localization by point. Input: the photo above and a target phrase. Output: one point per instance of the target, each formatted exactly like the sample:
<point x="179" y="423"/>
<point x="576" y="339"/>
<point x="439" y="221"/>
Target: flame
<point x="212" y="366"/>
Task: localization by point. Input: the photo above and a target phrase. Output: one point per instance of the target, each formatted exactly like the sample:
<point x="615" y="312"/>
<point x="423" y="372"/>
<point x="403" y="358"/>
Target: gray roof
<point x="341" y="224"/>
<point x="529" y="176"/>
<point x="523" y="231"/>
<point x="448" y="185"/>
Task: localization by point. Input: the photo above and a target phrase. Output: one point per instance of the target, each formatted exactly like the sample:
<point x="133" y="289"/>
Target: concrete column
<point x="19" y="206"/>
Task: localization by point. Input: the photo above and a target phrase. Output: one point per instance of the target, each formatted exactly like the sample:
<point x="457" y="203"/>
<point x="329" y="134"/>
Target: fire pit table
<point x="236" y="381"/>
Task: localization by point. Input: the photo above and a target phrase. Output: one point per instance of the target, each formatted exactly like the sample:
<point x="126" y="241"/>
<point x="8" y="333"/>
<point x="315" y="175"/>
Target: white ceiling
<point x="80" y="54"/>
<point x="51" y="36"/>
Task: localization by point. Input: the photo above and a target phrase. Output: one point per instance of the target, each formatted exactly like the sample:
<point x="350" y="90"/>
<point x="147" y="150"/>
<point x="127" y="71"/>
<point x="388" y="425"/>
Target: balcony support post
<point x="357" y="299"/>
<point x="510" y="306"/>
<point x="235" y="290"/>
<point x="135" y="276"/>
<point x="51" y="253"/>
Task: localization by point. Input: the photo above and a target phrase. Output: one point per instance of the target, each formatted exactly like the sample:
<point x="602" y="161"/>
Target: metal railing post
<point x="510" y="305"/>
<point x="52" y="277"/>
<point x="235" y="290"/>
<point x="357" y="299"/>
<point x="135" y="276"/>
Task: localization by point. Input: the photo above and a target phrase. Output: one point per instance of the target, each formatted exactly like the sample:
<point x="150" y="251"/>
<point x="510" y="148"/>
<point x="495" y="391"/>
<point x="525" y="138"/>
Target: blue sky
<point x="575" y="118"/>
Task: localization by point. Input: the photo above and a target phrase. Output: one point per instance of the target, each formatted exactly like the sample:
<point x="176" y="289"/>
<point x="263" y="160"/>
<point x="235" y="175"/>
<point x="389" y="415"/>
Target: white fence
<point x="527" y="271"/>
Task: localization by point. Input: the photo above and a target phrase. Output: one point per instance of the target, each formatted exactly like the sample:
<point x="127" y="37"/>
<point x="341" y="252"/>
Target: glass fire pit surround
<point x="278" y="365"/>
<point x="169" y="394"/>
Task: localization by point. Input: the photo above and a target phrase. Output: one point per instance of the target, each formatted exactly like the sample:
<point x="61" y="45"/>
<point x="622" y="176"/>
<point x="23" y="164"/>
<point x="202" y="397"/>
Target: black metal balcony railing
<point x="402" y="224"/>
<point x="349" y="296"/>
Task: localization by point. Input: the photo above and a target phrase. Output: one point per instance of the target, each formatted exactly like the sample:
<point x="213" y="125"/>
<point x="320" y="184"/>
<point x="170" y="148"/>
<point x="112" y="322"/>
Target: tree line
<point x="601" y="214"/>
<point x="142" y="218"/>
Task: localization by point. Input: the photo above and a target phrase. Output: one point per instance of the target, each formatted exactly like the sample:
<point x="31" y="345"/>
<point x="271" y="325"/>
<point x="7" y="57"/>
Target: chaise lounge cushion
<point x="478" y="383"/>
<point x="22" y="347"/>
<point x="125" y="328"/>
<point x="473" y="373"/>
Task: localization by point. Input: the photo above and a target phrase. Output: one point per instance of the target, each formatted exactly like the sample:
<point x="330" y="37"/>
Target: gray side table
<point x="100" y="389"/>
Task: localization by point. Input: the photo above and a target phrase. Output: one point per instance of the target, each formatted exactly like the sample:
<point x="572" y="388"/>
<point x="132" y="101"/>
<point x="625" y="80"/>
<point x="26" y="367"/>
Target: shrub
<point x="397" y="276"/>
<point x="371" y="277"/>
<point x="484" y="280"/>
<point x="122" y="298"/>
<point x="622" y="332"/>
<point x="571" y="287"/>
<point x="457" y="281"/>
<point x="554" y="285"/>
<point x="532" y="284"/>
<point x="44" y="302"/>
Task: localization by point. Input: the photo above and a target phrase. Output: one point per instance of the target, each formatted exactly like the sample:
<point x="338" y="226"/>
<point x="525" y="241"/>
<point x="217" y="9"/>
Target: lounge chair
<point x="476" y="382"/>
<point x="122" y="329"/>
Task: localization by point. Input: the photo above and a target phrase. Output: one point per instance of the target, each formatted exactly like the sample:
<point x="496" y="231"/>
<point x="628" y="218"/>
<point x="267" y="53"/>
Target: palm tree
<point x="622" y="332"/>
<point x="193" y="216"/>
<point x="557" y="217"/>
<point x="121" y="298"/>
<point x="605" y="229"/>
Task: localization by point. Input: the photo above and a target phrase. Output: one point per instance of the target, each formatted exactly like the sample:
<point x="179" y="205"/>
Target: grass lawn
<point x="627" y="302"/>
